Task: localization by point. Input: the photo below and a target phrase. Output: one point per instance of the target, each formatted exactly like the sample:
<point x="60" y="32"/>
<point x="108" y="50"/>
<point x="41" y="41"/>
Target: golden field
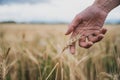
<point x="32" y="52"/>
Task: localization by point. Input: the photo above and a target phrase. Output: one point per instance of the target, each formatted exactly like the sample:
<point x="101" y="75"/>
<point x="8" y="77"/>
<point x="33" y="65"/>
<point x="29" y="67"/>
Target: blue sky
<point x="46" y="10"/>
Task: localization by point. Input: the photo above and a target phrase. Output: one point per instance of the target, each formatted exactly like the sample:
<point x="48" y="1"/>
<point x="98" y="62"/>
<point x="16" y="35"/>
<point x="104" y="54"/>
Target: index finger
<point x="76" y="21"/>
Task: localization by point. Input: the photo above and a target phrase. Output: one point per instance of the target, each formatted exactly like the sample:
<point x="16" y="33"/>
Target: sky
<point x="46" y="10"/>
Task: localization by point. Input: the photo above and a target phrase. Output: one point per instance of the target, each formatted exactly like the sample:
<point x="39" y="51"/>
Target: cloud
<point x="38" y="12"/>
<point x="55" y="11"/>
<point x="6" y="2"/>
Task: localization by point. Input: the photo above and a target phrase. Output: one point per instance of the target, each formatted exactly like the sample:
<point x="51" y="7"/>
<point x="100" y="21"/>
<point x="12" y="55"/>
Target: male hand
<point x="89" y="24"/>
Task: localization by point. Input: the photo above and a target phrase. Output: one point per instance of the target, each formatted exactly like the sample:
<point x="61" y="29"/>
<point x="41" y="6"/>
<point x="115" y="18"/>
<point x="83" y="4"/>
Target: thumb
<point x="70" y="29"/>
<point x="76" y="21"/>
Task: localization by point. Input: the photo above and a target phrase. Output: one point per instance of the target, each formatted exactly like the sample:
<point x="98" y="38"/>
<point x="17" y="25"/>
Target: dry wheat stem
<point x="83" y="59"/>
<point x="52" y="71"/>
<point x="56" y="77"/>
<point x="62" y="74"/>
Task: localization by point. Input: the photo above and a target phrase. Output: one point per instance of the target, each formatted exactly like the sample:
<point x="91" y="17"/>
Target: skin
<point x="89" y="23"/>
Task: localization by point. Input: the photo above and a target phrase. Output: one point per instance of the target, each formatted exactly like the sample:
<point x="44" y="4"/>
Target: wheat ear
<point x="71" y="41"/>
<point x="3" y="68"/>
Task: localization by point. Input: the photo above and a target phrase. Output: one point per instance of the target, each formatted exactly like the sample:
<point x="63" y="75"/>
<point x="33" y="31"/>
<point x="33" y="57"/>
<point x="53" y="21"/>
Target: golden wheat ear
<point x="71" y="41"/>
<point x="3" y="66"/>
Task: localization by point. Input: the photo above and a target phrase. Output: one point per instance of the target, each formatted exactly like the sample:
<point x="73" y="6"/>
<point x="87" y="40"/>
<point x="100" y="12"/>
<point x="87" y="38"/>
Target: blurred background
<point x="32" y="38"/>
<point x="47" y="11"/>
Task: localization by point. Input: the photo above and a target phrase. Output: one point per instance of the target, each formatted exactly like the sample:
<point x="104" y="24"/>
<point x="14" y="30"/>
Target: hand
<point x="89" y="24"/>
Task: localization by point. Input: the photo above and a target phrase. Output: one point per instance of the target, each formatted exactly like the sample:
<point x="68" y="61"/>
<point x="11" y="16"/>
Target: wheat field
<point x="33" y="52"/>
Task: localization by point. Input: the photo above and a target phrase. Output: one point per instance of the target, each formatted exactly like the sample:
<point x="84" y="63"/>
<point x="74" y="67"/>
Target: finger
<point x="76" y="21"/>
<point x="103" y="30"/>
<point x="84" y="44"/>
<point x="100" y="37"/>
<point x="72" y="48"/>
<point x="95" y="38"/>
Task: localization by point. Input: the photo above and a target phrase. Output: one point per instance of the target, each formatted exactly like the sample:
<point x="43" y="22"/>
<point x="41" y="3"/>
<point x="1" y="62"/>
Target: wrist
<point x="102" y="8"/>
<point x="106" y="5"/>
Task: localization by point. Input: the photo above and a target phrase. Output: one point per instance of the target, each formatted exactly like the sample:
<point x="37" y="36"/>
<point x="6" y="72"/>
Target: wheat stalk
<point x="52" y="71"/>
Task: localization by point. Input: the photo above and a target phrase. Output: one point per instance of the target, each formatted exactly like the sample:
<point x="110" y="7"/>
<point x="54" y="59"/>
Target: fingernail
<point x="72" y="50"/>
<point x="100" y="36"/>
<point x="104" y="30"/>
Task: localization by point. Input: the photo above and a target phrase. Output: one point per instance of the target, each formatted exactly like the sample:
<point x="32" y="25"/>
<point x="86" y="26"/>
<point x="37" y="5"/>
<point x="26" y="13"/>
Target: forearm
<point x="107" y="5"/>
